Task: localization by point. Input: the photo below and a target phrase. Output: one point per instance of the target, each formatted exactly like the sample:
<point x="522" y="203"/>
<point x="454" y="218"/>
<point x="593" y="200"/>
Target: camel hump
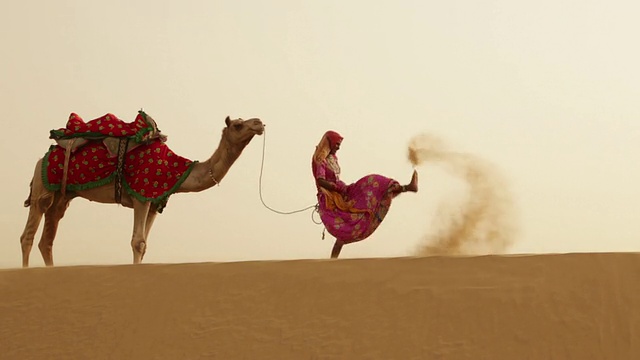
<point x="143" y="129"/>
<point x="109" y="128"/>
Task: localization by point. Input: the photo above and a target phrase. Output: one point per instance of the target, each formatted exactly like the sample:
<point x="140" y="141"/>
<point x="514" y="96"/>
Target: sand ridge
<point x="565" y="306"/>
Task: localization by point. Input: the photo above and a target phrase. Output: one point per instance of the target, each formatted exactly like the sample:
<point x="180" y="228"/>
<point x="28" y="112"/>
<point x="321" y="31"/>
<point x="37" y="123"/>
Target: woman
<point x="351" y="212"/>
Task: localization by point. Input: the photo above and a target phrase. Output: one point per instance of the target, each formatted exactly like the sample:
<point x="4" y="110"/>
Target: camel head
<point x="241" y="131"/>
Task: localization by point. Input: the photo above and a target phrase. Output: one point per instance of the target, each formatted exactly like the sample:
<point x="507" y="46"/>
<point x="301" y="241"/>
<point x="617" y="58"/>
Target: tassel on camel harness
<point x="65" y="169"/>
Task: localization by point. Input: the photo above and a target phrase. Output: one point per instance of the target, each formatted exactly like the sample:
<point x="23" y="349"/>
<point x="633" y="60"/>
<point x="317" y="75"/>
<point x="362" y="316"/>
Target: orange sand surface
<point x="566" y="306"/>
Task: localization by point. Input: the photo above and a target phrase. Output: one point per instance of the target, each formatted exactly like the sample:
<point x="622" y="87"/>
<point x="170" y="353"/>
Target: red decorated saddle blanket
<point x="142" y="129"/>
<point x="109" y="129"/>
<point x="150" y="170"/>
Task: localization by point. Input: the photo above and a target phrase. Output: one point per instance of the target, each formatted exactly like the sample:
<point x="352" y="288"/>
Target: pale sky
<point x="545" y="90"/>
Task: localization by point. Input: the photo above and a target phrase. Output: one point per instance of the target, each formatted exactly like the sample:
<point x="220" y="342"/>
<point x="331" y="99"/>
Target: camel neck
<point x="210" y="172"/>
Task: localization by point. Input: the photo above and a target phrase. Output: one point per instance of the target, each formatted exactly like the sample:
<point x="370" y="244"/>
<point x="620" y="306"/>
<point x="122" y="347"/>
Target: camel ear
<point x="227" y="120"/>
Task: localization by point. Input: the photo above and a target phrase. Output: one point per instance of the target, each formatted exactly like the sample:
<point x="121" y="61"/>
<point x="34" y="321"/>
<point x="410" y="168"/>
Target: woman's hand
<point x="338" y="186"/>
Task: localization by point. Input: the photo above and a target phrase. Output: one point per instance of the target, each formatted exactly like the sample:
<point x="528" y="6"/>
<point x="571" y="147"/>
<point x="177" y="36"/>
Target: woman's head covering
<point x="328" y="141"/>
<point x="333" y="137"/>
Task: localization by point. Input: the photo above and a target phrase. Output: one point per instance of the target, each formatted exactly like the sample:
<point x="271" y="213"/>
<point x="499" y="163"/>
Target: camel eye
<point x="237" y="126"/>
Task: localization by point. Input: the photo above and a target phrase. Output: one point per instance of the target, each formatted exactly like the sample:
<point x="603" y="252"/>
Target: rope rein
<point x="315" y="207"/>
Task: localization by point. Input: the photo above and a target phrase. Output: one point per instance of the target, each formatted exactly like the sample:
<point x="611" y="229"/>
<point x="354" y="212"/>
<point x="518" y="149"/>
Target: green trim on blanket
<point x="59" y="135"/>
<point x="70" y="187"/>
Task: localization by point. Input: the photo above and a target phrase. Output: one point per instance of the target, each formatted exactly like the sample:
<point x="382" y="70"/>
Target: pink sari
<point x="369" y="200"/>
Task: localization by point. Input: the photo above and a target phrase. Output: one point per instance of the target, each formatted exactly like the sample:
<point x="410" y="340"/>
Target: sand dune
<point x="573" y="306"/>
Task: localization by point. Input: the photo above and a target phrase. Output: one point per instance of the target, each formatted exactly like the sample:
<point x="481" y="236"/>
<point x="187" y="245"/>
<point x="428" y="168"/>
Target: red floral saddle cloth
<point x="150" y="171"/>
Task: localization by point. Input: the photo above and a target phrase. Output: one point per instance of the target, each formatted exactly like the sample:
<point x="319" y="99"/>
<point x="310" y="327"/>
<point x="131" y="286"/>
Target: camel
<point x="236" y="135"/>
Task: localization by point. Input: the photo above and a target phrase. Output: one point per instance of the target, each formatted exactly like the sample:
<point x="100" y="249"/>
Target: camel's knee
<point x="29" y="233"/>
<point x="40" y="203"/>
<point x="45" y="247"/>
<point x="139" y="246"/>
<point x="26" y="241"/>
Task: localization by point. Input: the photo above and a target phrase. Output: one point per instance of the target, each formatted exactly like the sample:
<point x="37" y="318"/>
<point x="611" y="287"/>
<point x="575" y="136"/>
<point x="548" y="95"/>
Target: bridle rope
<point x="315" y="207"/>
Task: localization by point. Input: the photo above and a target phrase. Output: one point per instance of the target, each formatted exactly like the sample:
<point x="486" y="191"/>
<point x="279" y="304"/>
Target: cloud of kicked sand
<point x="484" y="223"/>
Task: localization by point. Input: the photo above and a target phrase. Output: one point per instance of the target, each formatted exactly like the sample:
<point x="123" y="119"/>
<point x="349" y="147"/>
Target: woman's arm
<point x="319" y="172"/>
<point x="331" y="186"/>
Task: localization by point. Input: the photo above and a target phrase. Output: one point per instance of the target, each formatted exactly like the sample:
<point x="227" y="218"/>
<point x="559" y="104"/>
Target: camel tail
<point x="27" y="202"/>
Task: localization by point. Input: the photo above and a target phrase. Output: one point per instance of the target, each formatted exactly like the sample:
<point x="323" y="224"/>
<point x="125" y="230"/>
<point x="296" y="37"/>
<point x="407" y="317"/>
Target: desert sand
<point x="564" y="306"/>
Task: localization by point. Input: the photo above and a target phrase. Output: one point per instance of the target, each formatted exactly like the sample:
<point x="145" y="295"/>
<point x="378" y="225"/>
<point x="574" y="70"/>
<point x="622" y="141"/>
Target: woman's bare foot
<point x="413" y="185"/>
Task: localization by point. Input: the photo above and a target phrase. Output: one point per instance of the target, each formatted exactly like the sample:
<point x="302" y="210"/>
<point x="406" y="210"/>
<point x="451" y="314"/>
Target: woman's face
<point x="335" y="147"/>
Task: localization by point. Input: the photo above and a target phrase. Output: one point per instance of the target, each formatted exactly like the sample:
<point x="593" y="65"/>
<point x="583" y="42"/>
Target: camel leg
<point x="151" y="216"/>
<point x="335" y="252"/>
<point x="38" y="201"/>
<point x="138" y="239"/>
<point x="30" y="229"/>
<point x="52" y="218"/>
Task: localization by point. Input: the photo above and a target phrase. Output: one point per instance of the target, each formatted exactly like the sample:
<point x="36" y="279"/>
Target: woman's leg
<point x="336" y="249"/>
<point x="412" y="186"/>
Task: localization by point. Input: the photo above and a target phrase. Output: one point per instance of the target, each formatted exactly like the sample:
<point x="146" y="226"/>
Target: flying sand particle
<point x="485" y="222"/>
